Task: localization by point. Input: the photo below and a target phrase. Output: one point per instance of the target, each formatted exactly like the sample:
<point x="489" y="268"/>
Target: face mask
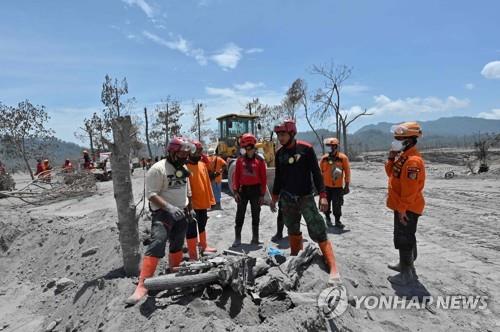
<point x="195" y="159"/>
<point x="242" y="151"/>
<point x="397" y="145"/>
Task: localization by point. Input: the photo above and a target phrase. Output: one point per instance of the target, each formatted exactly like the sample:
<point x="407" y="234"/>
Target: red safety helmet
<point x="287" y="126"/>
<point x="197" y="144"/>
<point x="247" y="140"/>
<point x="177" y="144"/>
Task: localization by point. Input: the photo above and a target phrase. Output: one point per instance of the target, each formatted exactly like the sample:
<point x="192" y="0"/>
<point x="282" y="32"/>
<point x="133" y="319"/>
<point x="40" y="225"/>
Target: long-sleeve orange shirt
<point x="329" y="163"/>
<point x="406" y="182"/>
<point x="202" y="196"/>
<point x="216" y="164"/>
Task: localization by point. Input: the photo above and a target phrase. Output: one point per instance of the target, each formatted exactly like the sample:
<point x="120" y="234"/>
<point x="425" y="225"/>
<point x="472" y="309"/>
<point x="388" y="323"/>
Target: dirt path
<point x="458" y="254"/>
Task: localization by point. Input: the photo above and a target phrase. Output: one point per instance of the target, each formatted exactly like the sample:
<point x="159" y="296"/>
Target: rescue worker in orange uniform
<point x="87" y="162"/>
<point x="336" y="173"/>
<point x="216" y="166"/>
<point x="46" y="174"/>
<point x="202" y="198"/>
<point x="67" y="167"/>
<point x="406" y="171"/>
<point x="39" y="167"/>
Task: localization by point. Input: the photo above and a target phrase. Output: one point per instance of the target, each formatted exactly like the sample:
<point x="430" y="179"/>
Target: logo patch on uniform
<point x="413" y="173"/>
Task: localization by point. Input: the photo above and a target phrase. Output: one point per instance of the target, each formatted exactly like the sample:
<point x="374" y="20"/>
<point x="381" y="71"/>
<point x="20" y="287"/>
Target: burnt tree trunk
<point x="122" y="187"/>
<point x="147" y="132"/>
<point x="344" y="133"/>
<point x="25" y="158"/>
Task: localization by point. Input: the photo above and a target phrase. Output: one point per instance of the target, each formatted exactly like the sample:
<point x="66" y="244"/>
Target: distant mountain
<point x="57" y="151"/>
<point x="452" y="126"/>
<point x="444" y="132"/>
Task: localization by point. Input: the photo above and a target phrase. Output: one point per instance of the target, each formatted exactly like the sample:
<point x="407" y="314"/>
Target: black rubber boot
<point x="237" y="237"/>
<point x="338" y="223"/>
<point x="406" y="276"/>
<point x="397" y="267"/>
<point x="279" y="228"/>
<point x="255" y="235"/>
<point x="328" y="220"/>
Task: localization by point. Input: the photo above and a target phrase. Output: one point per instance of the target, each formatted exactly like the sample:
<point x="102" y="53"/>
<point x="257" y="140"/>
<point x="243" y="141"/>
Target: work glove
<point x="346" y="189"/>
<point x="176" y="213"/>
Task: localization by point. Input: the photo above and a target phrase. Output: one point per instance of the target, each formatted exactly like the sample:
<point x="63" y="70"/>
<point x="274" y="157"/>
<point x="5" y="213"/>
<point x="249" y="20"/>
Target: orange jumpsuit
<point x="406" y="182"/>
<point x="327" y="165"/>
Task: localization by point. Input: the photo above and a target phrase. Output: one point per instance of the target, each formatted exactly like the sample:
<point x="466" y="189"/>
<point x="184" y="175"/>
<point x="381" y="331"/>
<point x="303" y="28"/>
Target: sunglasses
<point x="249" y="147"/>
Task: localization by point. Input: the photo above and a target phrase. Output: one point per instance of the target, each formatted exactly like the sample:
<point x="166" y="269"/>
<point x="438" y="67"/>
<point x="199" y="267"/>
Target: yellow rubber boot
<point x="147" y="271"/>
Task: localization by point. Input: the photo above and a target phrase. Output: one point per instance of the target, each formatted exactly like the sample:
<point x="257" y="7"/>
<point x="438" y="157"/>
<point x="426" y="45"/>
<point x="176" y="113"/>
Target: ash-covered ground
<point x="61" y="264"/>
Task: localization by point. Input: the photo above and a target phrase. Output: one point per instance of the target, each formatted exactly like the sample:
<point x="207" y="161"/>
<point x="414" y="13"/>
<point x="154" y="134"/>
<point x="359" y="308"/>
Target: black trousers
<point x="404" y="236"/>
<point x="198" y="226"/>
<point x="248" y="194"/>
<point x="335" y="198"/>
<point x="163" y="228"/>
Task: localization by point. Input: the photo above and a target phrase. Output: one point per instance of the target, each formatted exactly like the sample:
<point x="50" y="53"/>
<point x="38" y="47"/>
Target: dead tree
<point x="124" y="197"/>
<point x="334" y="76"/>
<point x="25" y="128"/>
<point x="147" y="132"/>
<point x="299" y="92"/>
<point x="346" y="122"/>
<point x="121" y="127"/>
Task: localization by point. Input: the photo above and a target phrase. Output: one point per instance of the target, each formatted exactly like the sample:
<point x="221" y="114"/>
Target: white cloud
<point x="355" y="89"/>
<point x="249" y="86"/>
<point x="220" y="92"/>
<point x="491" y="70"/>
<point x="404" y="109"/>
<point x="143" y="5"/>
<point x="494" y="114"/>
<point x="179" y="44"/>
<point x="228" y="57"/>
<point x="469" y="86"/>
<point x="417" y="105"/>
<point x="254" y="50"/>
<point x="231" y="100"/>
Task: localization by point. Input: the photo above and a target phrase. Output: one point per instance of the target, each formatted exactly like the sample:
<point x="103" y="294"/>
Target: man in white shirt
<point x="167" y="188"/>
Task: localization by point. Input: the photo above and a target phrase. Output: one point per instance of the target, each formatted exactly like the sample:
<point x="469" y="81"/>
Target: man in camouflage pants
<point x="296" y="163"/>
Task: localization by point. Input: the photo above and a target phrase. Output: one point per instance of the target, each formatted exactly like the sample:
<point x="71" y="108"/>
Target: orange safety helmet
<point x="407" y="129"/>
<point x="331" y="141"/>
<point x="247" y="140"/>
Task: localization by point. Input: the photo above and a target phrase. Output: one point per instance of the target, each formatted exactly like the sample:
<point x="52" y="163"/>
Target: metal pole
<point x="199" y="123"/>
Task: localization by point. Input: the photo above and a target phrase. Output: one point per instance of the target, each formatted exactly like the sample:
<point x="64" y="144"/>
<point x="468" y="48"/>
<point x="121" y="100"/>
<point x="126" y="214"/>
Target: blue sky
<point x="415" y="60"/>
